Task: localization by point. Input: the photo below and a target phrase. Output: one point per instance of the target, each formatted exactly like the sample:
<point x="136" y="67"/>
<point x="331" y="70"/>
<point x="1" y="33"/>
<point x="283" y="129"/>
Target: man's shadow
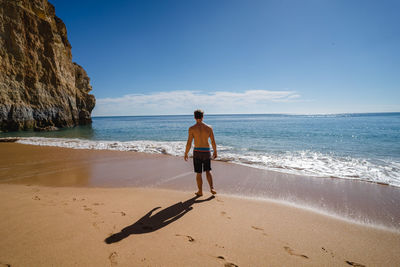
<point x="150" y="223"/>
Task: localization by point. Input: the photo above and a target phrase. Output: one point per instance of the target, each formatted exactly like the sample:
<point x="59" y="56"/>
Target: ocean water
<point x="348" y="146"/>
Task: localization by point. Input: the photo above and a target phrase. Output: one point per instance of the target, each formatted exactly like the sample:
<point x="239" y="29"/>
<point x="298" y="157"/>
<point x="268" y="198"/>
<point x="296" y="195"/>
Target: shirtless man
<point x="201" y="152"/>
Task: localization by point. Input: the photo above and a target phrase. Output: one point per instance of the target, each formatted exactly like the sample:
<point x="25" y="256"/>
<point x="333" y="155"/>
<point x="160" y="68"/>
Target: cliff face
<point x="40" y="87"/>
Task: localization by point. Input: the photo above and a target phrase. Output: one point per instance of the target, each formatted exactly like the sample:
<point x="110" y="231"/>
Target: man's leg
<point x="210" y="182"/>
<point x="199" y="180"/>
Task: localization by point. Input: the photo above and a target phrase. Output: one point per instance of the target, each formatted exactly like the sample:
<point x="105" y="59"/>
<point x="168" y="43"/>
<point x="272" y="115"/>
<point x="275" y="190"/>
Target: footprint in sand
<point x="96" y="224"/>
<point x="97" y="204"/>
<point x="352" y="263"/>
<point x="89" y="209"/>
<point x="327" y="251"/>
<point x="190" y="239"/>
<point x="257" y="228"/>
<point x="291" y="252"/>
<point x="121" y="212"/>
<point x="4" y="265"/>
<point x="223" y="213"/>
<point x="36" y="198"/>
<point x="227" y="264"/>
<point x="113" y="258"/>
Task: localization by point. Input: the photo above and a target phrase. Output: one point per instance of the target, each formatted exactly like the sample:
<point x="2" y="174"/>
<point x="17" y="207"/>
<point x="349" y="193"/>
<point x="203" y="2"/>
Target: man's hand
<point x="186" y="157"/>
<point x="214" y="155"/>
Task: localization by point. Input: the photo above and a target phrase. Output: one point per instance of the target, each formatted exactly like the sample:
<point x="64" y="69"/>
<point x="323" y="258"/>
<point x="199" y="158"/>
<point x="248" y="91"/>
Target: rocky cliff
<point x="40" y="87"/>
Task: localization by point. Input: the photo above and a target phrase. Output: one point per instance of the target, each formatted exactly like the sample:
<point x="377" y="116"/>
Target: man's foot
<point x="213" y="191"/>
<point x="199" y="194"/>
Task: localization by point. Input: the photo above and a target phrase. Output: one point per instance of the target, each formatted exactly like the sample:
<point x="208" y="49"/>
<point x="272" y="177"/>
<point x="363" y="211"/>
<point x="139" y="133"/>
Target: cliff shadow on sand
<point x="150" y="223"/>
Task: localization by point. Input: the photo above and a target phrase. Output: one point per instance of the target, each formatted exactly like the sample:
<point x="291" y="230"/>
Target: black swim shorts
<point x="201" y="161"/>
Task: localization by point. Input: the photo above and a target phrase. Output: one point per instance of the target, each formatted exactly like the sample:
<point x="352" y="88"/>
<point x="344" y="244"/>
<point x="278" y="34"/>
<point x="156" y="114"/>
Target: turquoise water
<point x="350" y="146"/>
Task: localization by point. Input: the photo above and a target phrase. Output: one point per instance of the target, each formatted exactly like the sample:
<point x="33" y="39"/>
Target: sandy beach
<point x="291" y="104"/>
<point x="65" y="207"/>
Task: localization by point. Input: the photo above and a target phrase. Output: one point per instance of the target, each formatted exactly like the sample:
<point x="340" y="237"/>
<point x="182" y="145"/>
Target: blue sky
<point x="171" y="57"/>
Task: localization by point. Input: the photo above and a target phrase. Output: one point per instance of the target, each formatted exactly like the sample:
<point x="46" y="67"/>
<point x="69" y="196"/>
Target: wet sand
<point x="64" y="207"/>
<point x="362" y="202"/>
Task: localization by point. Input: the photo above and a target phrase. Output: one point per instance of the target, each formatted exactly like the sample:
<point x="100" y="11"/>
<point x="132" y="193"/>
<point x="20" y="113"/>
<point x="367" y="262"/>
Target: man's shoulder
<point x="208" y="126"/>
<point x="192" y="128"/>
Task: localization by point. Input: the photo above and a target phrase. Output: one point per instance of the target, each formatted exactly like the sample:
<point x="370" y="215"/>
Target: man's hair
<point x="198" y="114"/>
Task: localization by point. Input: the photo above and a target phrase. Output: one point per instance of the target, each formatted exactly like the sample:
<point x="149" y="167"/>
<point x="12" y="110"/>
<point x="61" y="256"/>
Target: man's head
<point x="198" y="114"/>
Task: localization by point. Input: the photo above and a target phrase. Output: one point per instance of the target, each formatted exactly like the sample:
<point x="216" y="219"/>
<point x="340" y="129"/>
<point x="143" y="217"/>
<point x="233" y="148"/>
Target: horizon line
<point x="286" y="114"/>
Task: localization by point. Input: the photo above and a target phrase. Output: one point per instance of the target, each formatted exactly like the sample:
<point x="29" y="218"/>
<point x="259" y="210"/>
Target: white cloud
<point x="184" y="102"/>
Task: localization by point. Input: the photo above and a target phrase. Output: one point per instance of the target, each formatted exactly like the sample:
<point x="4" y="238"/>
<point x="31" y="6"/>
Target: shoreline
<point x="350" y="200"/>
<point x="366" y="172"/>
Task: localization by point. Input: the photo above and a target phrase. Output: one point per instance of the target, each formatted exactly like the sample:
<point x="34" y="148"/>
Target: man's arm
<point x="214" y="145"/>
<point x="189" y="143"/>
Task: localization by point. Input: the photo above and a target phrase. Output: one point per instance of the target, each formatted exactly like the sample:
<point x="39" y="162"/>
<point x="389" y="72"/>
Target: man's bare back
<point x="201" y="132"/>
